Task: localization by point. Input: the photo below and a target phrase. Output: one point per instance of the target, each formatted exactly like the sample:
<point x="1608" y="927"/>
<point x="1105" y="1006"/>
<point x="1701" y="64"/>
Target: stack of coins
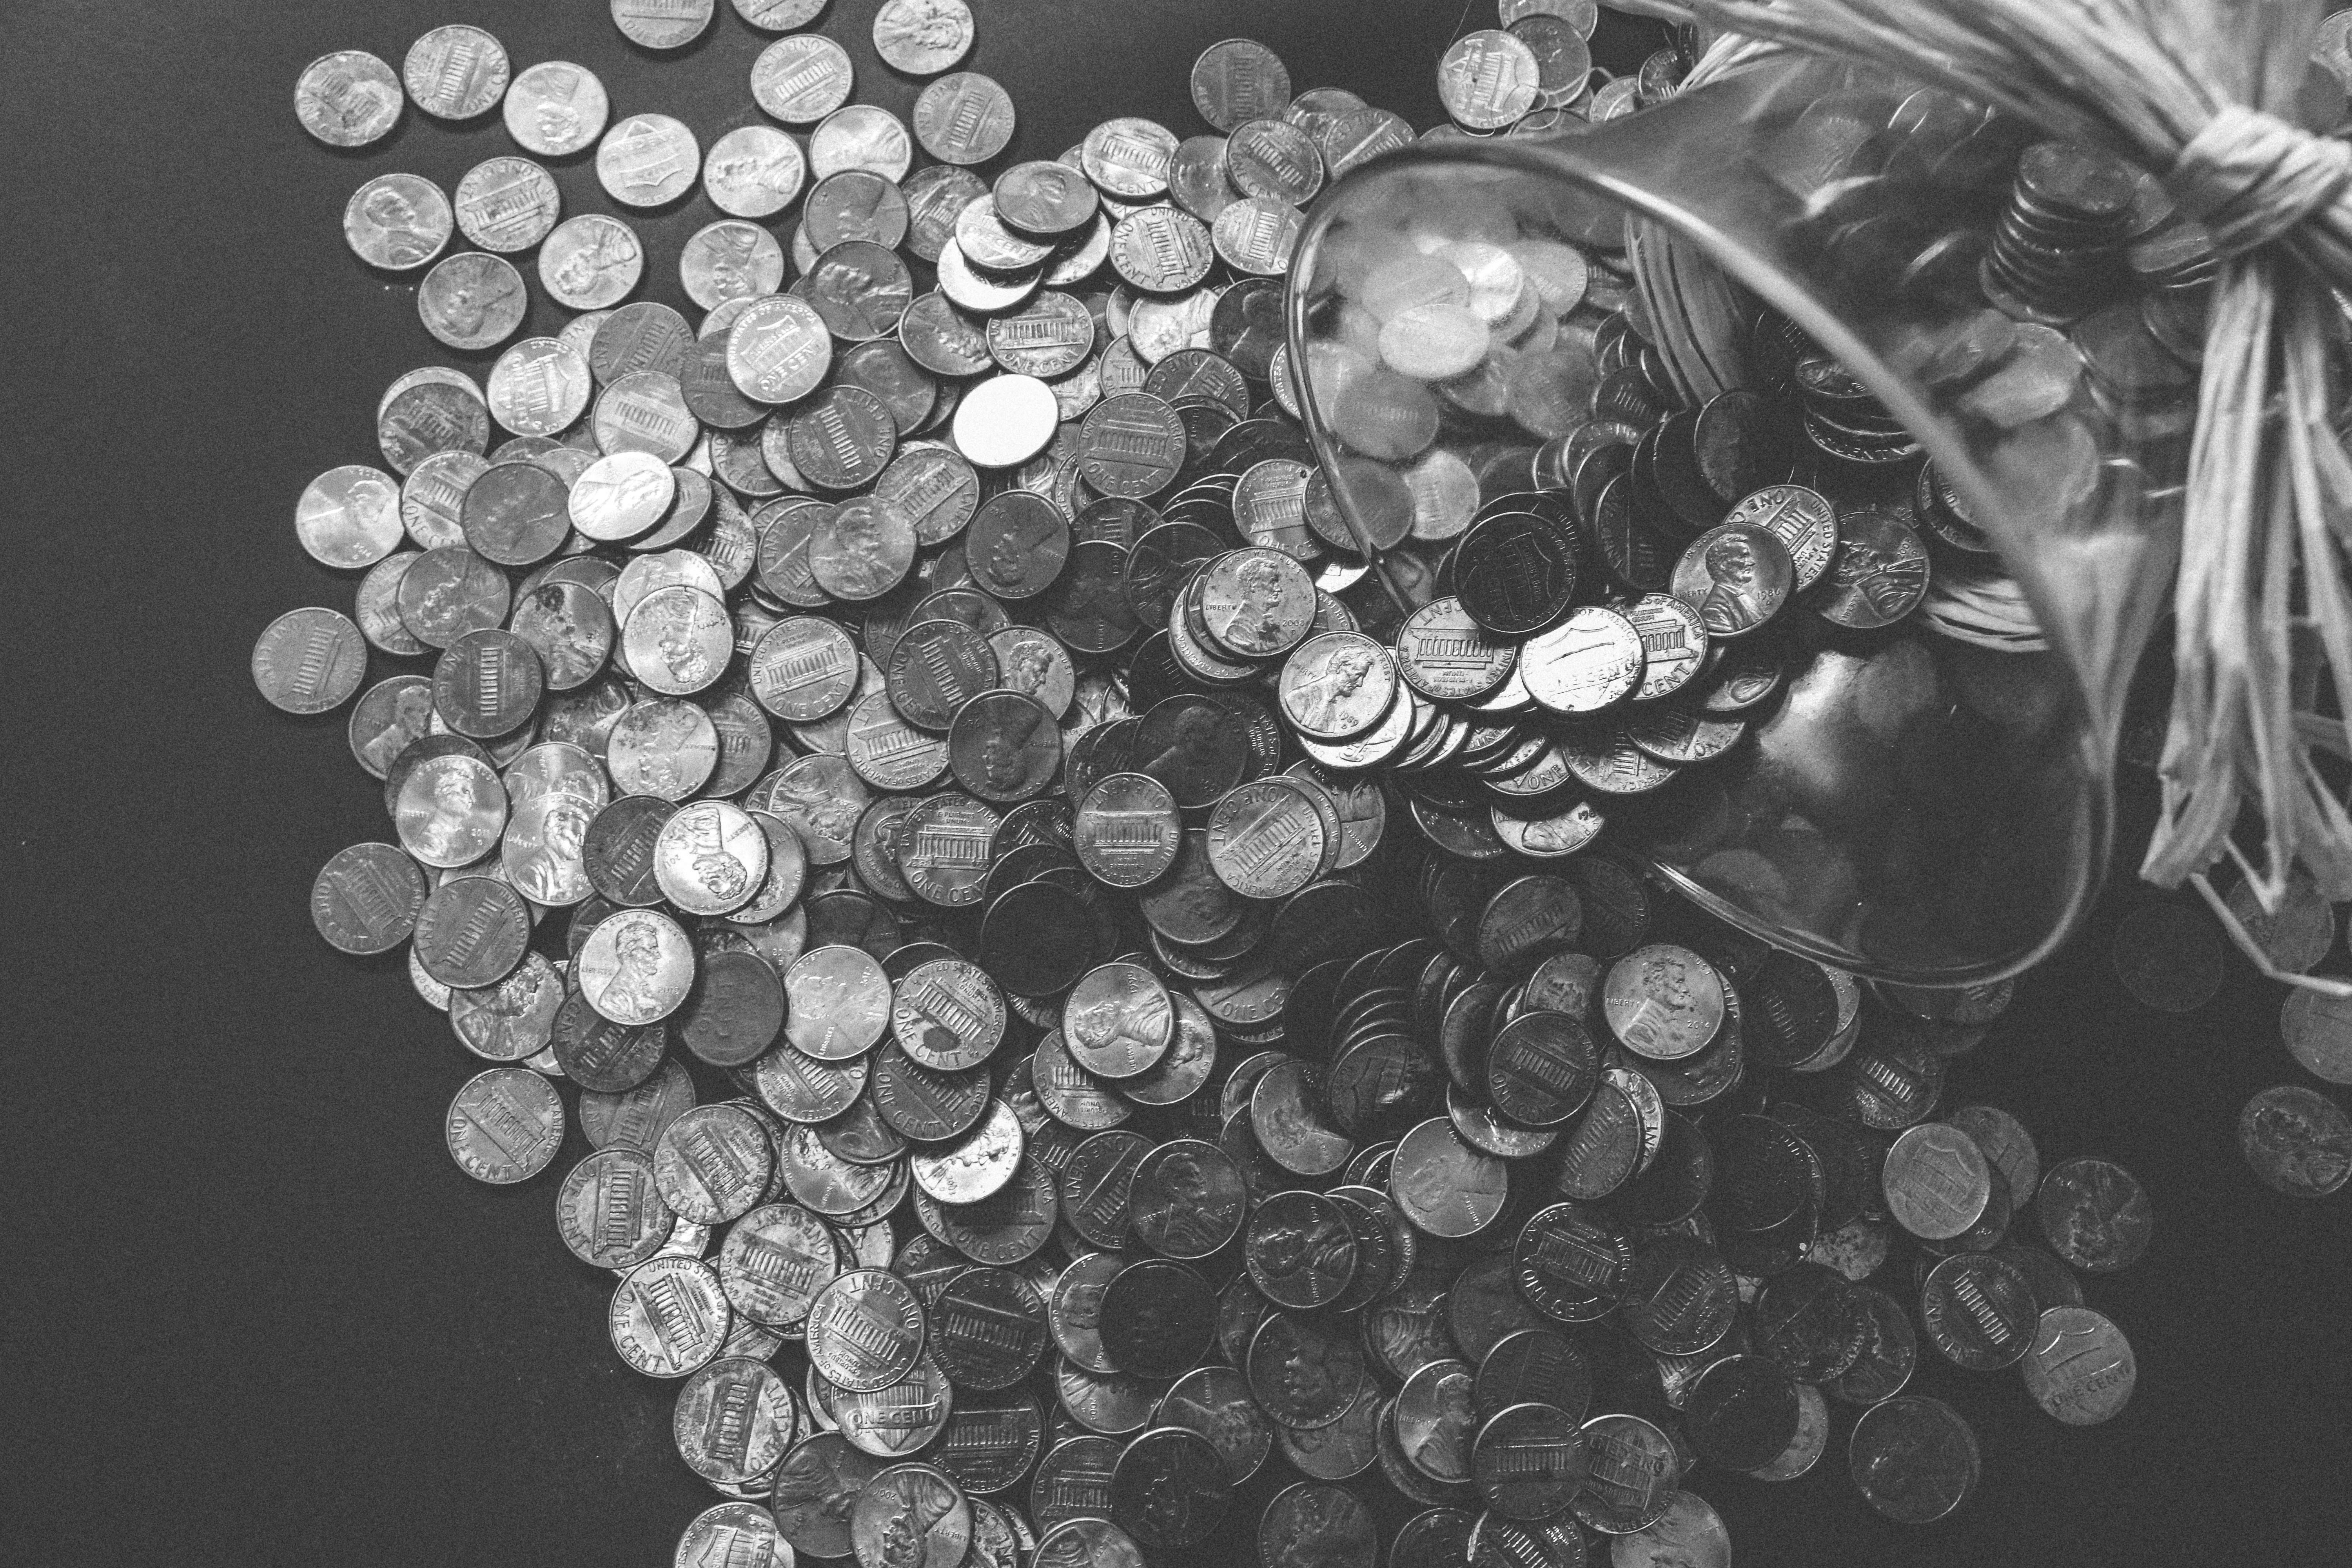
<point x="2053" y="256"/>
<point x="1076" y="1049"/>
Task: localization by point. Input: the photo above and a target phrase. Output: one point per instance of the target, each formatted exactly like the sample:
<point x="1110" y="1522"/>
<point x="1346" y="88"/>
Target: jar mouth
<point x="1926" y="803"/>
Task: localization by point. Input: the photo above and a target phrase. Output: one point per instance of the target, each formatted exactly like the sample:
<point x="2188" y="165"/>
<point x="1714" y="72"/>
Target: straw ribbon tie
<point x="2249" y="176"/>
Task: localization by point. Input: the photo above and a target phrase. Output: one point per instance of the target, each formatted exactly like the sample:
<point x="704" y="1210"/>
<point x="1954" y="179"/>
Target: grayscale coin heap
<point x="1079" y="1048"/>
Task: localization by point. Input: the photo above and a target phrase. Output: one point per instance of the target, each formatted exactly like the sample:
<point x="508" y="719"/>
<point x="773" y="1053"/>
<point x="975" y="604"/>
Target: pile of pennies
<point x="1079" y="1054"/>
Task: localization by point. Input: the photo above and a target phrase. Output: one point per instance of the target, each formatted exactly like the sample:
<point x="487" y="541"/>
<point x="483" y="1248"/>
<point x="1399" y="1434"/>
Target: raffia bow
<point x="2196" y="91"/>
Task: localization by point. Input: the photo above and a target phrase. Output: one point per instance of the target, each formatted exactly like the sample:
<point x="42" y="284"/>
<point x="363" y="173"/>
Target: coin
<point x="1936" y="1180"/>
<point x="2095" y="1214"/>
<point x="347" y="98"/>
<point x="2081" y="1369"/>
<point x="866" y="1331"/>
<point x="2313" y="1024"/>
<point x="456" y="72"/>
<point x="2297" y="1140"/>
<point x="1664" y="1002"/>
<point x="839" y="1001"/>
<point x="504" y="1125"/>
<point x="555" y="108"/>
<point x="1913" y="1458"/>
<point x="1488" y="79"/>
<point x="1118" y="1020"/>
<point x="591" y="262"/>
<point x="308" y="661"/>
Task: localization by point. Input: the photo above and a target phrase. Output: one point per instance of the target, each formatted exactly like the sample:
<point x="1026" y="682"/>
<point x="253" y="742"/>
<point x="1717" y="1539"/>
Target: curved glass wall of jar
<point x="1675" y="338"/>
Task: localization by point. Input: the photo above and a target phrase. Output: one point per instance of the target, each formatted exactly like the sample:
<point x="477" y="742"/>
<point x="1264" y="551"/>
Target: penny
<point x="866" y="1331"/>
<point x="713" y="1164"/>
<point x="1444" y="1186"/>
<point x="1436" y="1422"/>
<point x="308" y="661"/>
<point x="1936" y="1180"/>
<point x="503" y="205"/>
<point x="1304" y="1376"/>
<point x="948" y="1015"/>
<point x="636" y="967"/>
<point x="2095" y="1214"/>
<point x="668" y="1318"/>
<point x="504" y="1125"/>
<point x="1131" y="447"/>
<point x="2080" y="1369"/>
<point x="2297" y="1140"/>
<point x="2317" y="1028"/>
<point x="1488" y="79"/>
<point x="1016" y="545"/>
<point x="347" y="98"/>
<point x="1979" y="1310"/>
<point x="911" y="1515"/>
<point x="1157" y="1319"/>
<point x="816" y="1488"/>
<point x="472" y="931"/>
<point x="1879" y="575"/>
<point x="1678" y="1297"/>
<point x="1528" y="1459"/>
<point x="591" y="262"/>
<point x="555" y="108"/>
<point x="777" y="349"/>
<point x="1664" y="1002"/>
<point x="838" y="1003"/>
<point x="1238" y="80"/>
<point x="733" y="1422"/>
<point x="988" y="1328"/>
<point x="1631" y="1475"/>
<point x="472" y="302"/>
<point x="1913" y="1458"/>
<point x="456" y="72"/>
<point x="1118" y="1021"/>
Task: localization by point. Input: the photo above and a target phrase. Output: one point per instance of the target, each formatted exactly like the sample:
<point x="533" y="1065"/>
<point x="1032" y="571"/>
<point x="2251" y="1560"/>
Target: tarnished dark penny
<point x="1304" y="1371"/>
<point x="1742" y="1412"/>
<point x="1541" y="1069"/>
<point x="1169" y="1488"/>
<point x="988" y="1329"/>
<point x="1807" y="1321"/>
<point x="1299" y="1250"/>
<point x="1003" y="746"/>
<point x="1516" y="573"/>
<point x="472" y="931"/>
<point x="1158" y="1318"/>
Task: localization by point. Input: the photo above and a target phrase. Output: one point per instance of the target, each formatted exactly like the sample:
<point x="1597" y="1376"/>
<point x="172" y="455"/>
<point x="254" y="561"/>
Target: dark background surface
<point x="253" y="1311"/>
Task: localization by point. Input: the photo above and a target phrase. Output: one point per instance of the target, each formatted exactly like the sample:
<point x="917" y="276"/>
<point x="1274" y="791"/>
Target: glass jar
<point x="1979" y="347"/>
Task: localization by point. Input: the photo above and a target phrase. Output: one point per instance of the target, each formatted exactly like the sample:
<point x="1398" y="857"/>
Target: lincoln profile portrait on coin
<point x="406" y="242"/>
<point x="1731" y="604"/>
<point x="638" y="962"/>
<point x="1317" y="701"/>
